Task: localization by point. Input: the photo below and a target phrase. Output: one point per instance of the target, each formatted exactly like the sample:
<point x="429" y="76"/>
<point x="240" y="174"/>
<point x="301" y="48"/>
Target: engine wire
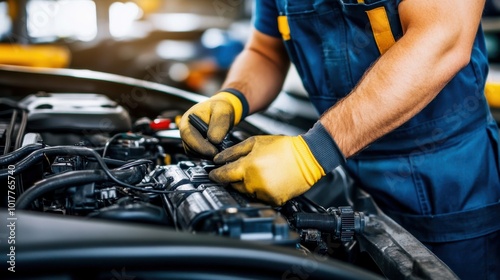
<point x="110" y="140"/>
<point x="22" y="128"/>
<point x="135" y="163"/>
<point x="14" y="109"/>
<point x="84" y="151"/>
<point x="10" y="131"/>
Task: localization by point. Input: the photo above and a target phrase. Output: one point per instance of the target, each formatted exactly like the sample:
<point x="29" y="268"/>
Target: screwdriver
<point x="202" y="127"/>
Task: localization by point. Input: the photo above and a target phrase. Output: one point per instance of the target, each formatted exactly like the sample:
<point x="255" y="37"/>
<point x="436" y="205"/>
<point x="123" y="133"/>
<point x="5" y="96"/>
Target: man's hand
<point x="221" y="112"/>
<point x="277" y="168"/>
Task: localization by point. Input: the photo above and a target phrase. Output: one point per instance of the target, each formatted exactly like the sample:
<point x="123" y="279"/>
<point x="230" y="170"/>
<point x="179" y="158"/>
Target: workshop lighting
<point x="5" y="21"/>
<point x="177" y="22"/>
<point x="122" y="17"/>
<point x="213" y="38"/>
<point x="49" y="19"/>
<point x="178" y="72"/>
<point x="178" y="50"/>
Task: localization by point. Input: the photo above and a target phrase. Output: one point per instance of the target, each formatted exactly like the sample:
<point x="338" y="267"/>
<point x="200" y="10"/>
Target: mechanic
<point x="400" y="88"/>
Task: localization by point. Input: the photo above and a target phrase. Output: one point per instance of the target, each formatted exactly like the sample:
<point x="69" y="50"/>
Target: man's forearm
<point x="259" y="71"/>
<point x="405" y="79"/>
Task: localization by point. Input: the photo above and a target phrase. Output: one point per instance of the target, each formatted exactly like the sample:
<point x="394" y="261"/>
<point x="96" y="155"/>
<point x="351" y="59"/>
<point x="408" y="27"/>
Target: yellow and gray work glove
<point x="221" y="112"/>
<point x="276" y="169"/>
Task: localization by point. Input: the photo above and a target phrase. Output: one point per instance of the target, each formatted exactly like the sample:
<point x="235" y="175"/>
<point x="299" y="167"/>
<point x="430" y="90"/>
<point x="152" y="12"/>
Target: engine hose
<point x="72" y="178"/>
<point x="112" y="162"/>
<point x="21" y="153"/>
<point x="17" y="155"/>
<point x="39" y="155"/>
<point x="36" y="156"/>
<point x="309" y="206"/>
<point x="320" y="221"/>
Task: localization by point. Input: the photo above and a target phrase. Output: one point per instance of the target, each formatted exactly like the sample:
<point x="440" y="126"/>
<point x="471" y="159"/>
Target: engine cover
<point x="75" y="112"/>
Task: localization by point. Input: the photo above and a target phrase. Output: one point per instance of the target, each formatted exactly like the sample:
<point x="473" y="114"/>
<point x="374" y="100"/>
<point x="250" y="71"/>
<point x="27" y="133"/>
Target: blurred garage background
<point x="185" y="44"/>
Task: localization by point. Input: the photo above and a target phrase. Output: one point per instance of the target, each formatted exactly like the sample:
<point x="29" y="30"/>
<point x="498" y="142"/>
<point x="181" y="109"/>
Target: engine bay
<point x="84" y="155"/>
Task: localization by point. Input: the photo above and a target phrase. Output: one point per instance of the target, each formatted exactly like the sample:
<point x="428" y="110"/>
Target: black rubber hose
<point x="6" y="103"/>
<point x="21" y="153"/>
<point x="75" y="178"/>
<point x="320" y="221"/>
<point x="309" y="206"/>
<point x="17" y="155"/>
<point x="111" y="162"/>
<point x="36" y="156"/>
<point x="39" y="155"/>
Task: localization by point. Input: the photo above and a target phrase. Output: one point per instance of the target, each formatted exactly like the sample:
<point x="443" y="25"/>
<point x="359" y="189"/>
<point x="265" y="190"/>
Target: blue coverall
<point x="438" y="174"/>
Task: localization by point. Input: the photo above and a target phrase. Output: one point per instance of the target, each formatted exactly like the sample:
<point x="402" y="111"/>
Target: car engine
<point x="84" y="155"/>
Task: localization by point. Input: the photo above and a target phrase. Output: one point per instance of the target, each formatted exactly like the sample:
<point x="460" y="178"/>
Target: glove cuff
<point x="239" y="102"/>
<point x="323" y="147"/>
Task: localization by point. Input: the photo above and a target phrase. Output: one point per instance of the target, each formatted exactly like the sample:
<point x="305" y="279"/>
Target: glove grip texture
<point x="323" y="147"/>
